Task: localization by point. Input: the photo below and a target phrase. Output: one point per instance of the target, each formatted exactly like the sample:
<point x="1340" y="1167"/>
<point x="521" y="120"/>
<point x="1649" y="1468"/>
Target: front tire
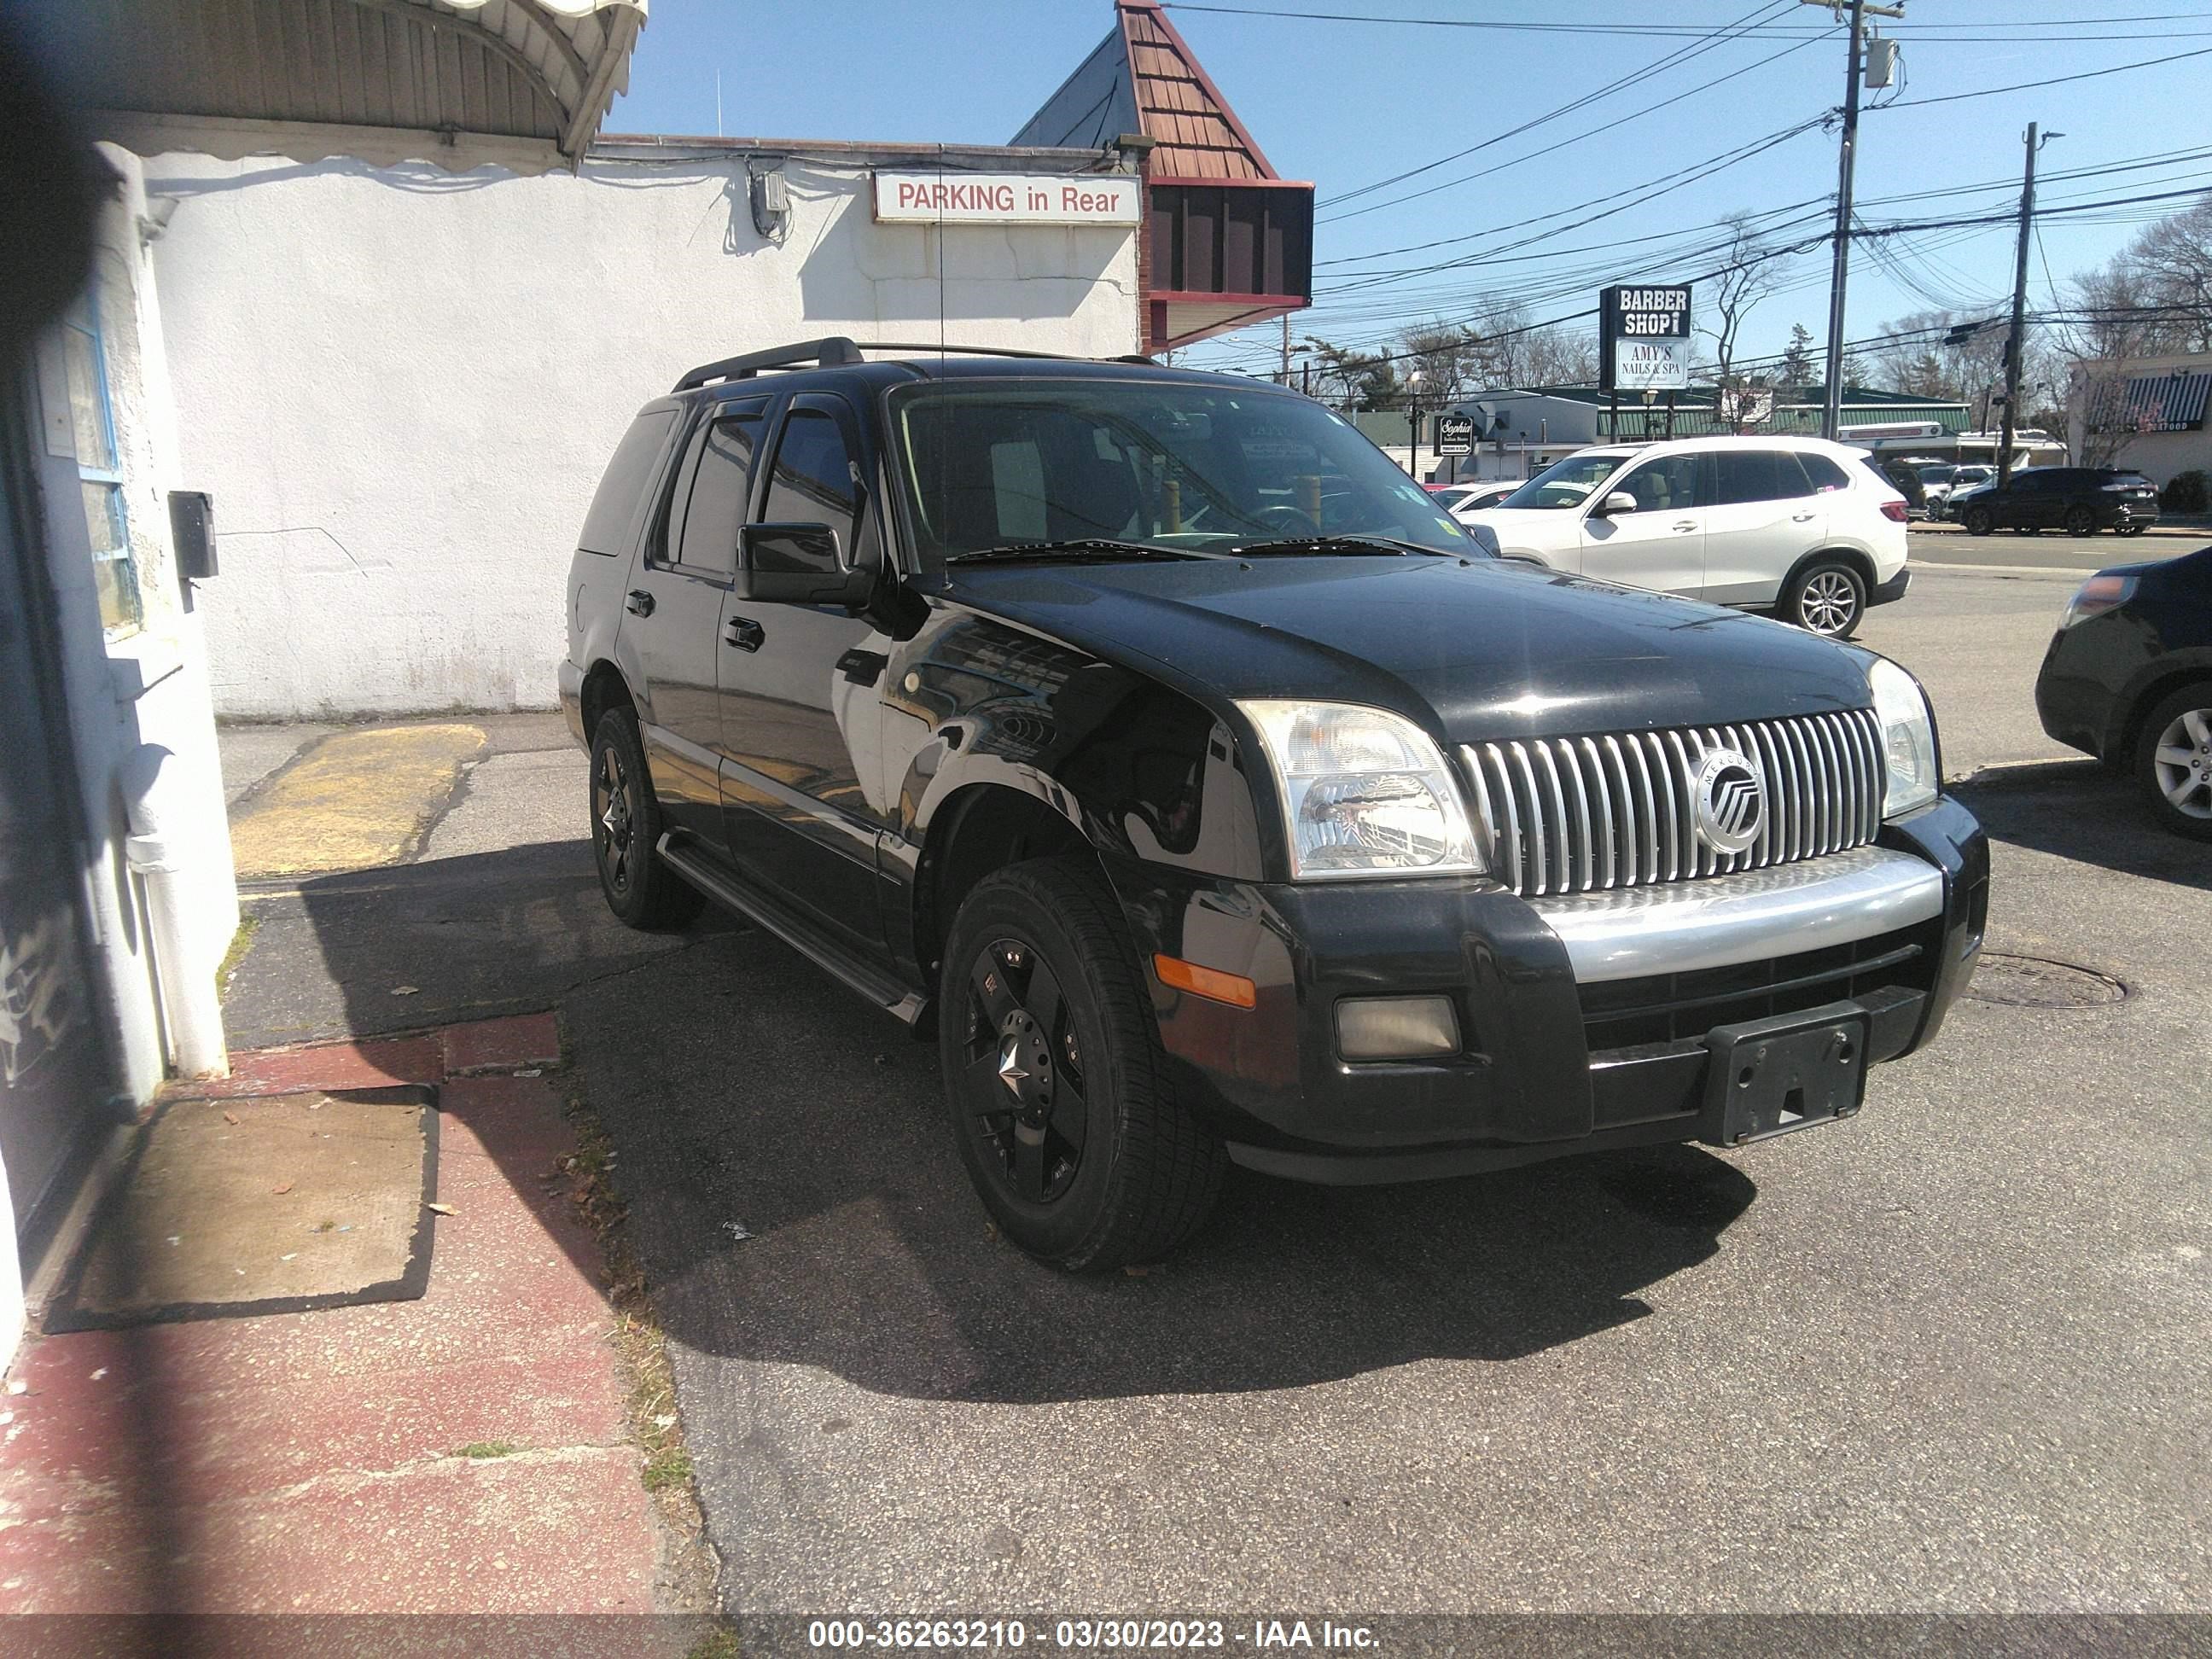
<point x="2174" y="761"/>
<point x="1054" y="1079"/>
<point x="1828" y="598"/>
<point x="2081" y="521"/>
<point x="641" y="891"/>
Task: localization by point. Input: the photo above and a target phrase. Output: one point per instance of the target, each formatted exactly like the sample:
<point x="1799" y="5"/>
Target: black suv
<point x="2079" y="500"/>
<point x="1149" y="740"/>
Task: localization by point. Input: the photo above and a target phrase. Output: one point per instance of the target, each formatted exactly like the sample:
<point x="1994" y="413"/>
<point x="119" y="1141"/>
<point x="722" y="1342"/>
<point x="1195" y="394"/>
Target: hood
<point x="1535" y="527"/>
<point x="1472" y="651"/>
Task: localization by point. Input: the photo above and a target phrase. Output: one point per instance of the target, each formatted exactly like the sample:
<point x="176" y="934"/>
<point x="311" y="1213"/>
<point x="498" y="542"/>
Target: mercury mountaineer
<point x="1151" y="743"/>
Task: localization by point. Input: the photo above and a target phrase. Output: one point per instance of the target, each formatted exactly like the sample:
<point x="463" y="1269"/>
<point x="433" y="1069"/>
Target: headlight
<point x="1364" y="793"/>
<point x="2096" y="596"/>
<point x="1908" y="738"/>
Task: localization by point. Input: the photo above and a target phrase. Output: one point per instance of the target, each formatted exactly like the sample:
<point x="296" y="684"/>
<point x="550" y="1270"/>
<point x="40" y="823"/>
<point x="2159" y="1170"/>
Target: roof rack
<point x="836" y="351"/>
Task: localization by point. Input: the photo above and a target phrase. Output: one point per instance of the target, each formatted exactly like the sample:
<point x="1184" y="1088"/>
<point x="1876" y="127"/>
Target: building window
<point x="98" y="468"/>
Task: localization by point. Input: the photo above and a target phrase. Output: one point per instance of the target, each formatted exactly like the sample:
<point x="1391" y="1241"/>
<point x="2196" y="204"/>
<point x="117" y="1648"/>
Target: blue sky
<point x="1349" y="104"/>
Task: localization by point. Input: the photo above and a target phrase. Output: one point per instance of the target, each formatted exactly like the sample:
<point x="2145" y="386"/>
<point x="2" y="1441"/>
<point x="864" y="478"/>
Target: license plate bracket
<point x="1769" y="1076"/>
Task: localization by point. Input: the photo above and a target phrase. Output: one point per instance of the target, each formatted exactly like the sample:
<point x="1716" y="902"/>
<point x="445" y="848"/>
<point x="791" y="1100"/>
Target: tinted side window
<point x="1666" y="485"/>
<point x="621" y="488"/>
<point x="813" y="480"/>
<point x="1824" y="473"/>
<point x="720" y="490"/>
<point x="1757" y="475"/>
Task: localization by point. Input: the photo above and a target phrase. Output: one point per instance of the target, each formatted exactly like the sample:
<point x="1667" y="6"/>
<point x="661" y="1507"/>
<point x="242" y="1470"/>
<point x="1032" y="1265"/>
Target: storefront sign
<point x="1006" y="198"/>
<point x="1456" y="434"/>
<point x="1643" y="338"/>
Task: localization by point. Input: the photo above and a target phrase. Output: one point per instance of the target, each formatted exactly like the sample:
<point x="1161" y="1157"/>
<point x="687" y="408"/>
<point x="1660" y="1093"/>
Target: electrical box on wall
<point x="191" y="533"/>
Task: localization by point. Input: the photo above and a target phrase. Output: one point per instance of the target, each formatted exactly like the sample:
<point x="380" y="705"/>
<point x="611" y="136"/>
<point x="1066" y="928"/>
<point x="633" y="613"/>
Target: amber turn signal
<point x="1209" y="982"/>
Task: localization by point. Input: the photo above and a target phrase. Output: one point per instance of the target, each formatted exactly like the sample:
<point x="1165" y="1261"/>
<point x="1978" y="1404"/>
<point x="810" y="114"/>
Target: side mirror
<point x="1618" y="502"/>
<point x="797" y="564"/>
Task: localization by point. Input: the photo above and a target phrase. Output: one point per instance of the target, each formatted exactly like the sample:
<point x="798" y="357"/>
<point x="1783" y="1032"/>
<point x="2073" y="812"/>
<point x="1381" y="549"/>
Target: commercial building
<point x="369" y="279"/>
<point x="2145" y="413"/>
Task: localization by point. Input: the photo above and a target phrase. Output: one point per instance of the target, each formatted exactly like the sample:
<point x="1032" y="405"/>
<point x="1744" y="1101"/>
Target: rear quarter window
<point x="615" y="508"/>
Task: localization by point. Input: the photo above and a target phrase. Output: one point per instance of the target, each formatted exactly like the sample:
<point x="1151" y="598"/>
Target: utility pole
<point x="1839" y="277"/>
<point x="2015" y="343"/>
<point x="1284" y="379"/>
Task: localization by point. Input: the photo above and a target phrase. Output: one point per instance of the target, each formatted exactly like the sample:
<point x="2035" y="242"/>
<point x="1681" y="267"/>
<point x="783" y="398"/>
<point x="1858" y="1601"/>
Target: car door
<point x="2031" y="502"/>
<point x="798" y="821"/>
<point x="1662" y="543"/>
<point x="672" y="619"/>
<point x="1765" y="517"/>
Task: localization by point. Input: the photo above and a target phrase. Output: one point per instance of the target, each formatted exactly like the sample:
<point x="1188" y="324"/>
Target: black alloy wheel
<point x="1055" y="1083"/>
<point x="641" y="891"/>
<point x="2081" y="521"/>
<point x="1977" y="521"/>
<point x="1022" y="1075"/>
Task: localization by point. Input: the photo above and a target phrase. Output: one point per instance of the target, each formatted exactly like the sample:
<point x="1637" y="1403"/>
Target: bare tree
<point x="1752" y="272"/>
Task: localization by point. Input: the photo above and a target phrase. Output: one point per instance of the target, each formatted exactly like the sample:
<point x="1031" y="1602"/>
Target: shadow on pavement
<point x="408" y="946"/>
<point x="2085" y="812"/>
<point x="743" y="1088"/>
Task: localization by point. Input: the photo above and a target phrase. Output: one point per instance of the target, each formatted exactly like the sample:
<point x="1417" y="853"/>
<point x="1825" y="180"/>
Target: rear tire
<point x="2081" y="521"/>
<point x="2174" y="761"/>
<point x="641" y="889"/>
<point x="1827" y="598"/>
<point x="1977" y="521"/>
<point x="1055" y="1083"/>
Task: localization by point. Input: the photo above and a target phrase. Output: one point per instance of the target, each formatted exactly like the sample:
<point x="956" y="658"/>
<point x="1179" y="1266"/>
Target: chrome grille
<point x="1580" y="815"/>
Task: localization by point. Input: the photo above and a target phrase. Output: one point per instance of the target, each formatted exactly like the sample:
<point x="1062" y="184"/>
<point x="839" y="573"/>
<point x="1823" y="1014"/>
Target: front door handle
<point x="640" y="603"/>
<point x="1688" y="524"/>
<point x="743" y="633"/>
<point x="1802" y="518"/>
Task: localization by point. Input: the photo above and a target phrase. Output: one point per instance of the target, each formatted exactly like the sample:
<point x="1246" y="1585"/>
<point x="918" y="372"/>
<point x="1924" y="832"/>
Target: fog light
<point x="1396" y="1027"/>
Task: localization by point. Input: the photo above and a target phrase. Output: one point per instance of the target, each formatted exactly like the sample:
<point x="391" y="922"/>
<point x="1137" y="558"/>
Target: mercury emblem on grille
<point x="1731" y="801"/>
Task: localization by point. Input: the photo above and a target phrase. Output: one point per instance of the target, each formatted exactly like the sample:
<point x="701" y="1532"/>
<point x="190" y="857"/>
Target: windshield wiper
<point x="1101" y="549"/>
<point x="1367" y="544"/>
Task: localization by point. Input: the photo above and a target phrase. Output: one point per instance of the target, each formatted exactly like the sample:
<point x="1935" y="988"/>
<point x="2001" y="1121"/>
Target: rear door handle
<point x="640" y="603"/>
<point x="1688" y="524"/>
<point x="1802" y="518"/>
<point x="743" y="633"/>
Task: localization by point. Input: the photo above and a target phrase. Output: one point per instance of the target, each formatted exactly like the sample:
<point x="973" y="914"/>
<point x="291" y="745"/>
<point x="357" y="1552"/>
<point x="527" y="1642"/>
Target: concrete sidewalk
<point x="503" y="1445"/>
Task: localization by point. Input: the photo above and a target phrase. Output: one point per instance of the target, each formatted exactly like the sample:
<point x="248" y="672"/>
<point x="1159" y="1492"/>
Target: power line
<point x="1947" y="32"/>
<point x="1716" y="38"/>
<point x="2048" y="80"/>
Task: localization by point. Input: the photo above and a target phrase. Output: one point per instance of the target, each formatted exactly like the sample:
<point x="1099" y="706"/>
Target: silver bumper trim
<point x="1722" y="921"/>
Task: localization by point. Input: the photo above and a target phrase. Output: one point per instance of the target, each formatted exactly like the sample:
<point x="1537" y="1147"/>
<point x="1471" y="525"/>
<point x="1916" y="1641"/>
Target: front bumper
<point x="1554" y="1060"/>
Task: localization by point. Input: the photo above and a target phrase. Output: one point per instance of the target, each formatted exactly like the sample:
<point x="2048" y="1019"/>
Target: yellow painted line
<point x="354" y="801"/>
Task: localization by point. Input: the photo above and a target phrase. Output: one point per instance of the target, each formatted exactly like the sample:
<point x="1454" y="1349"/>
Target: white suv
<point x="1808" y="530"/>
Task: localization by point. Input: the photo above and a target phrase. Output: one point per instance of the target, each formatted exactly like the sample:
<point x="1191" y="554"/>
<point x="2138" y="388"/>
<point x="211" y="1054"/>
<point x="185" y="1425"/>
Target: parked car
<point x="1480" y="497"/>
<point x="2079" y="500"/>
<point x="2127" y="678"/>
<point x="1905" y="481"/>
<point x="1794" y="526"/>
<point x="1940" y="481"/>
<point x="1152" y="744"/>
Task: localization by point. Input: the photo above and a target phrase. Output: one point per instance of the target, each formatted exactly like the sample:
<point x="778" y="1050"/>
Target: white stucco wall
<point x="401" y="385"/>
<point x="138" y="701"/>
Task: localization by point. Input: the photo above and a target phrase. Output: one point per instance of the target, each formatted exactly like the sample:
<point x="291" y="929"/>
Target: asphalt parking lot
<point x="1951" y="1355"/>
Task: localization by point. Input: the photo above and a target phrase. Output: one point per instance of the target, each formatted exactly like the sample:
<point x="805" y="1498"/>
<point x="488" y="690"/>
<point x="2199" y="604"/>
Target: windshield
<point x="1187" y="468"/>
<point x="1936" y="474"/>
<point x="1568" y="483"/>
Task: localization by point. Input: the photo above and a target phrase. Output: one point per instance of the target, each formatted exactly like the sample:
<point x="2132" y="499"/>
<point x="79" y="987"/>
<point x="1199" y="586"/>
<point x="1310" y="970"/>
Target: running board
<point x="869" y="980"/>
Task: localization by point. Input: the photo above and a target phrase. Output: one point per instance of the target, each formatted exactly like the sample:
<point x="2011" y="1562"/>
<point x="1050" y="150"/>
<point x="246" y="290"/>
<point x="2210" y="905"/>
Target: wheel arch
<point x="604" y="688"/>
<point x="980" y="827"/>
<point x="2161" y="680"/>
<point x="1861" y="562"/>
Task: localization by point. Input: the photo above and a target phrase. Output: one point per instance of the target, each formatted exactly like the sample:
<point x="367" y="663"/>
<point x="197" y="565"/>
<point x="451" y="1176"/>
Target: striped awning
<point x="2153" y="403"/>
